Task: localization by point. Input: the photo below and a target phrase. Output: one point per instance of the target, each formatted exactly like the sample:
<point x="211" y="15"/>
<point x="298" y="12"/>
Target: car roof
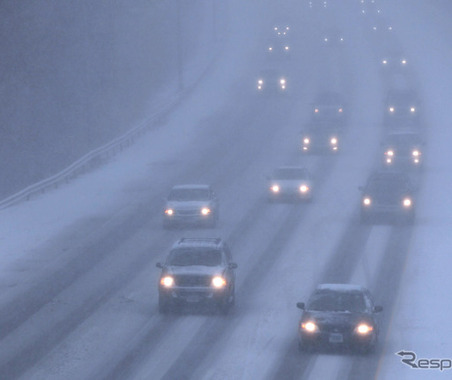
<point x="198" y="242"/>
<point x="341" y="287"/>
<point x="190" y="187"/>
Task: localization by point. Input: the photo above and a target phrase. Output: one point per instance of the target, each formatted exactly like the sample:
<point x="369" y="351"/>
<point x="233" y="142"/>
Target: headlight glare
<point x="205" y="211"/>
<point x="367" y="201"/>
<point x="167" y="281"/>
<point x="407" y="202"/>
<point x="363" y="329"/>
<point x="309" y="326"/>
<point x="218" y="282"/>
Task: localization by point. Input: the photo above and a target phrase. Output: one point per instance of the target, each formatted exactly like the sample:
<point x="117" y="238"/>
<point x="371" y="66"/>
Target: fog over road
<point x="78" y="282"/>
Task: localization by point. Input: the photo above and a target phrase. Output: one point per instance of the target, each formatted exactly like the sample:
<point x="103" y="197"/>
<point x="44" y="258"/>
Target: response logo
<point x="410" y="359"/>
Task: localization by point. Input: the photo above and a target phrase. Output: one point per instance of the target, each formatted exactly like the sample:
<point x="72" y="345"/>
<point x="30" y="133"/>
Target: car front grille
<point x="193" y="280"/>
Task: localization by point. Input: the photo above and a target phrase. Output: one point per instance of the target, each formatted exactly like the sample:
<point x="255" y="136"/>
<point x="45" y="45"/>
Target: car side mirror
<point x="159" y="265"/>
<point x="378" y="309"/>
<point x="233" y="266"/>
<point x="300" y="305"/>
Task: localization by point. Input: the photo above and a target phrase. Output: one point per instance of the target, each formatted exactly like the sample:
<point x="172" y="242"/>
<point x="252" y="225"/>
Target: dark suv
<point x="197" y="271"/>
<point x="388" y="194"/>
<point x="339" y="315"/>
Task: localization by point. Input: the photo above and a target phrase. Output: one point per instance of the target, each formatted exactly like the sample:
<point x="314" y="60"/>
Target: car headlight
<point x="309" y="326"/>
<point x="205" y="211"/>
<point x="412" y="109"/>
<point x="282" y="81"/>
<point x="169" y="211"/>
<point x="391" y="109"/>
<point x="390" y="153"/>
<point x="316" y="110"/>
<point x="218" y="282"/>
<point x="416" y="153"/>
<point x="364" y="329"/>
<point x="407" y="202"/>
<point x="260" y="81"/>
<point x="270" y="48"/>
<point x="167" y="281"/>
<point x="333" y="141"/>
<point x="306" y="140"/>
<point x="340" y="110"/>
<point x="286" y="48"/>
<point x="384" y="61"/>
<point x="367" y="201"/>
<point x="304" y="188"/>
<point x="403" y="62"/>
<point x="275" y="188"/>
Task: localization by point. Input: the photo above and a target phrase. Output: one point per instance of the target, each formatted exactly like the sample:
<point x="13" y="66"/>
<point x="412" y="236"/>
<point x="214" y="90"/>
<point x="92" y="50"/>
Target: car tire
<point x="164" y="305"/>
<point x="365" y="218"/>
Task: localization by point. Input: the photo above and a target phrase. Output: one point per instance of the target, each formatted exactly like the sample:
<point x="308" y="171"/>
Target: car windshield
<point x="290" y="173"/>
<point x="387" y="186"/>
<point x="338" y="301"/>
<point x="329" y="98"/>
<point x="188" y="195"/>
<point x="403" y="140"/>
<point x="402" y="98"/>
<point x="194" y="256"/>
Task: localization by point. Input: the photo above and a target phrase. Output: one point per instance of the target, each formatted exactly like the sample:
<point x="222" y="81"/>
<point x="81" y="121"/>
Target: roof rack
<point x="215" y="240"/>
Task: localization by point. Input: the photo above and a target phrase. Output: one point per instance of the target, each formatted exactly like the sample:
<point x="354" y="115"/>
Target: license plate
<point x="193" y="298"/>
<point x="336" y="338"/>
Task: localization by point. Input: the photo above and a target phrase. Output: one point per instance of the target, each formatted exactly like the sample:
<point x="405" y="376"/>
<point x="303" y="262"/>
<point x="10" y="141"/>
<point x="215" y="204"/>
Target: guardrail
<point x="90" y="160"/>
<point x="99" y="155"/>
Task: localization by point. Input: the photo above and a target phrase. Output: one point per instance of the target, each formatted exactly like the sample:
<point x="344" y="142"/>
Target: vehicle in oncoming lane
<point x="339" y="315"/>
<point x="197" y="271"/>
<point x="388" y="195"/>
<point x="290" y="183"/>
<point x="330" y="108"/>
<point x="403" y="149"/>
<point x="191" y="205"/>
<point x="272" y="81"/>
<point x="320" y="138"/>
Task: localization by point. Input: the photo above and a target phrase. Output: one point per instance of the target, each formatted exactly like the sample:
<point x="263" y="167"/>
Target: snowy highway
<point x="78" y="276"/>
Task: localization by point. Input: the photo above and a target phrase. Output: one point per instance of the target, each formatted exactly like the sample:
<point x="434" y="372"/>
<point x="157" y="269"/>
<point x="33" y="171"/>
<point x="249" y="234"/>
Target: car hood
<point x="195" y="270"/>
<point x="340" y="318"/>
<point x="290" y="182"/>
<point x="182" y="205"/>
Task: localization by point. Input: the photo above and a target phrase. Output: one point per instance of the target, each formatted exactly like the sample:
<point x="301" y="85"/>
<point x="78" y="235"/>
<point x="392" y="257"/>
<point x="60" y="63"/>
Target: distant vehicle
<point x="271" y="81"/>
<point x="333" y="37"/>
<point x="388" y="194"/>
<point x="281" y="30"/>
<point x="338" y="315"/>
<point x="290" y="183"/>
<point x="197" y="271"/>
<point x="320" y="138"/>
<point x="402" y="108"/>
<point x="191" y="205"/>
<point x="403" y="149"/>
<point x="329" y="107"/>
<point x="393" y="61"/>
<point x="278" y="49"/>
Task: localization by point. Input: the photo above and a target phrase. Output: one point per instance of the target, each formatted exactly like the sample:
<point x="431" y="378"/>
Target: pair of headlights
<point x="303" y="189"/>
<point x="217" y="282"/>
<point x="406" y="202"/>
<point x="361" y="329"/>
<point x="204" y="211"/>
